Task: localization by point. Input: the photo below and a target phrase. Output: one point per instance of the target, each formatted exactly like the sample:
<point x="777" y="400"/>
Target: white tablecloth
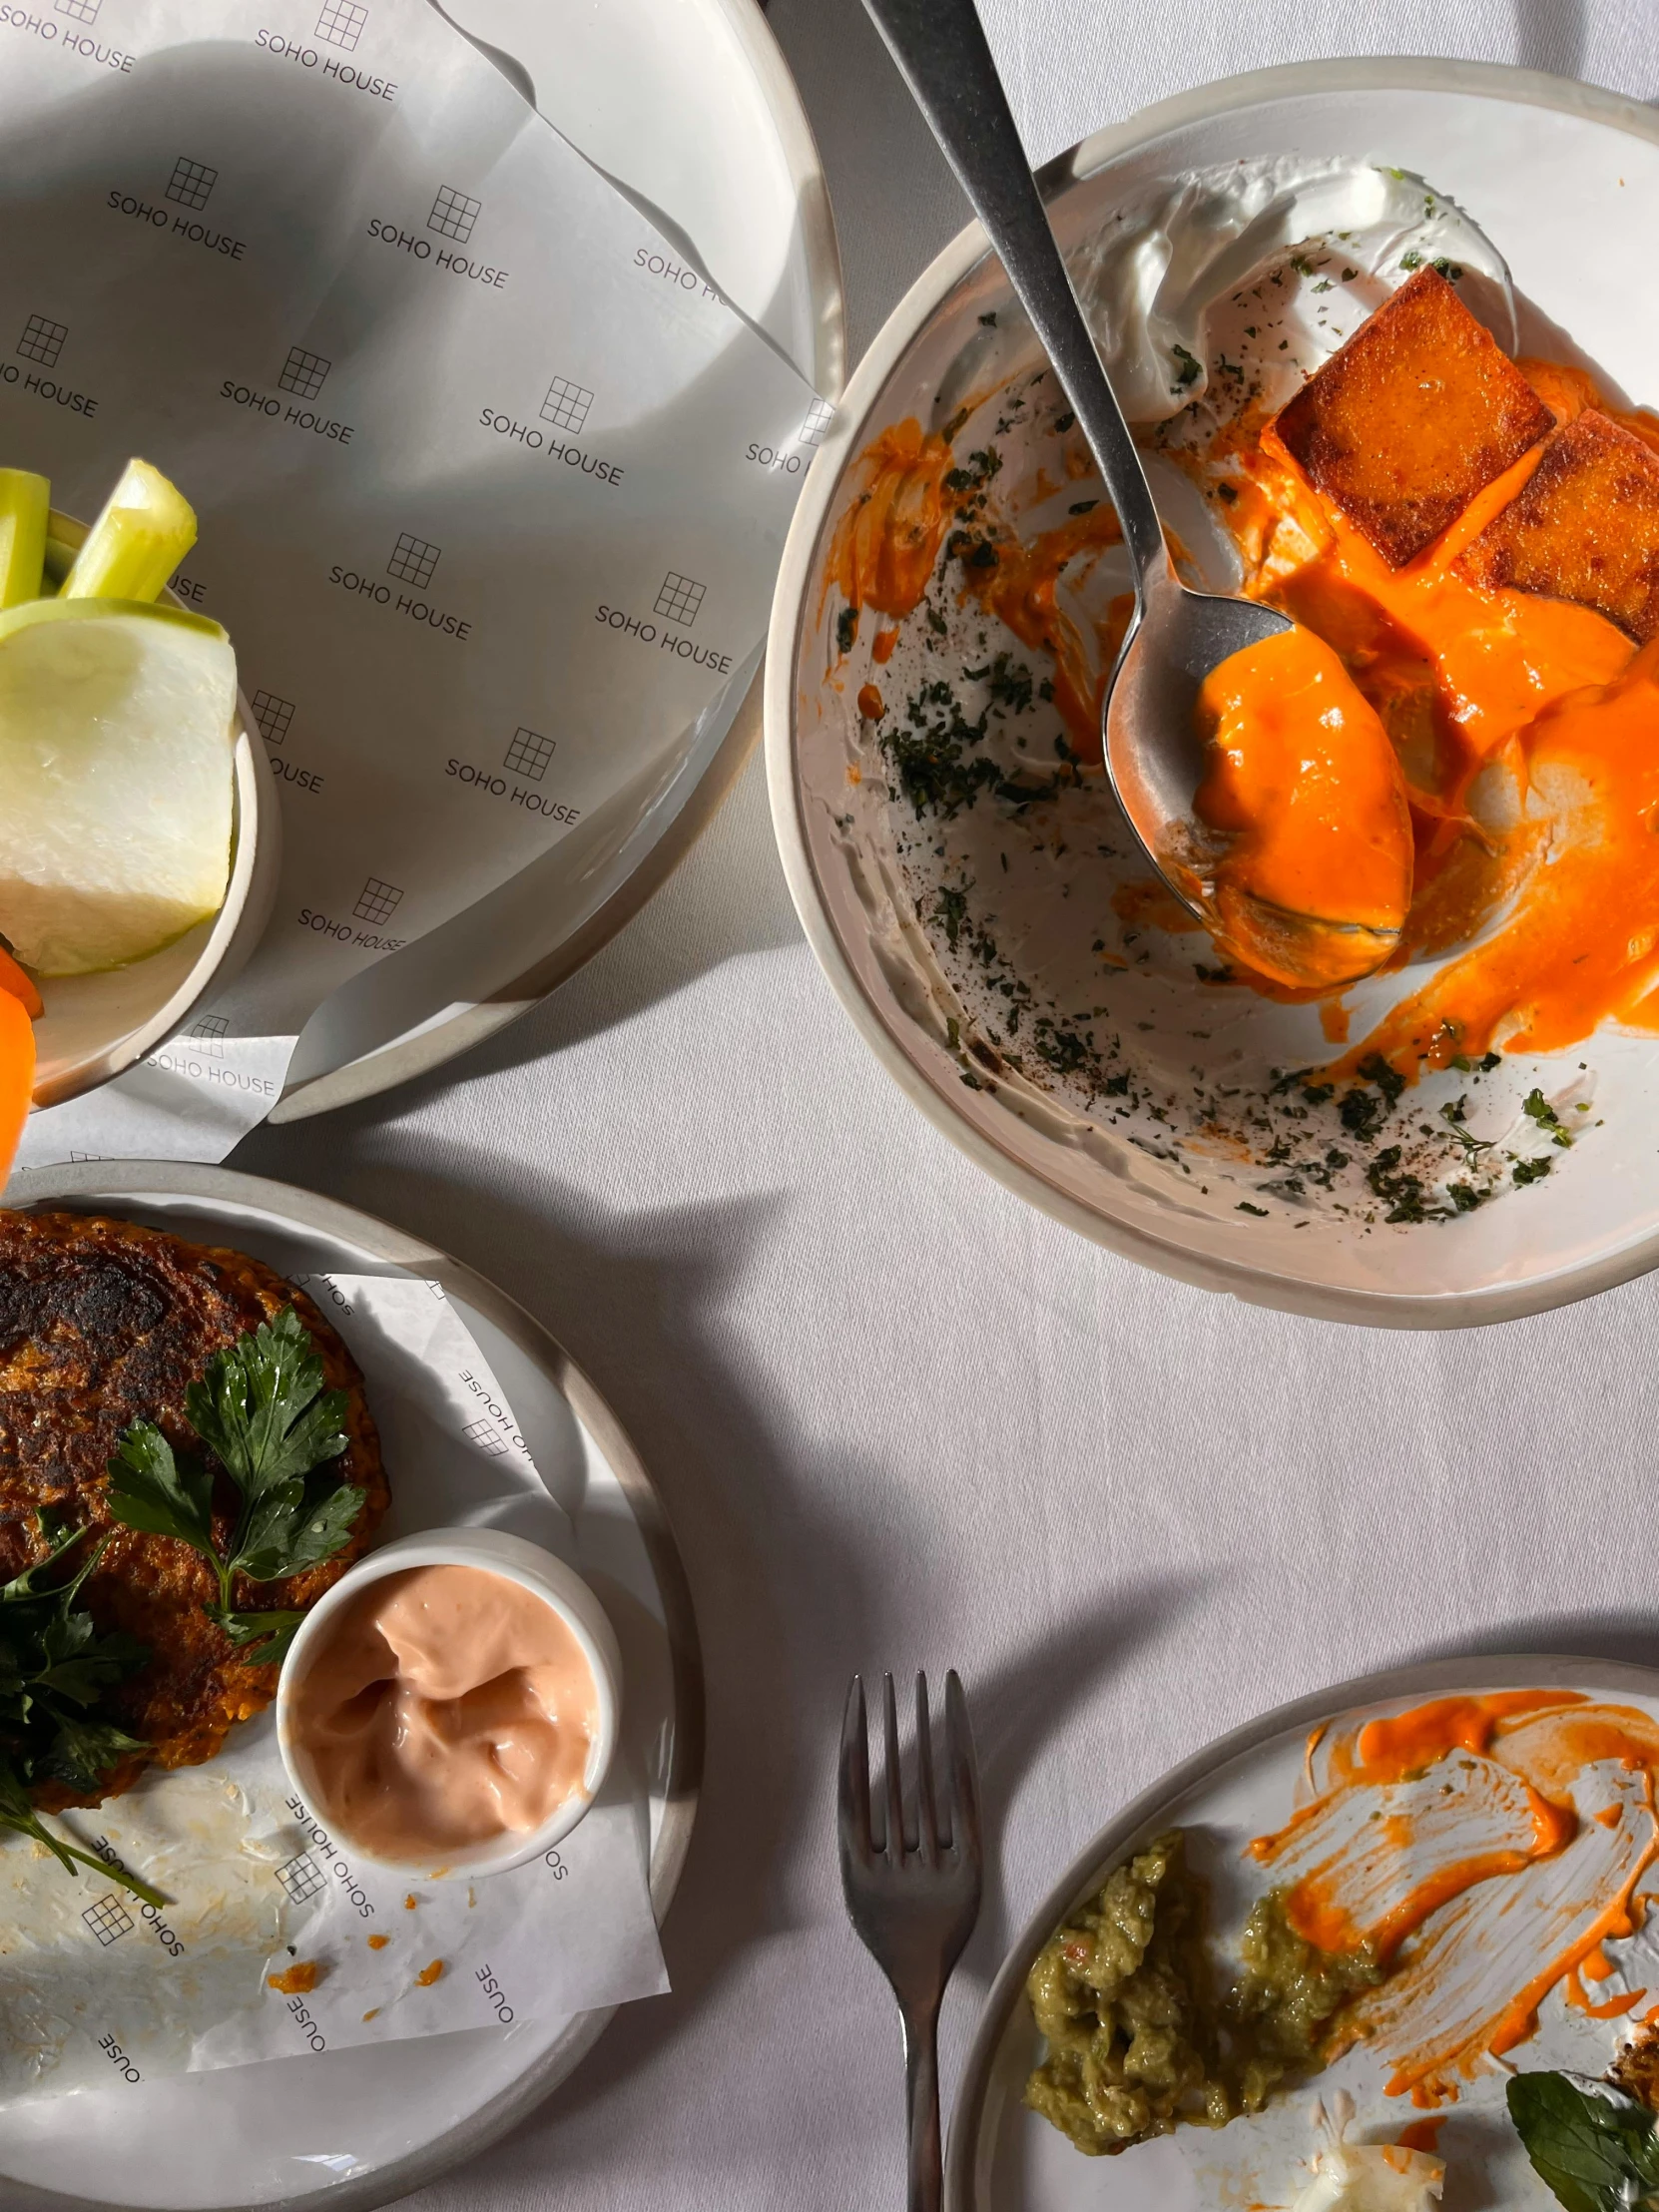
<point x="902" y="1419"/>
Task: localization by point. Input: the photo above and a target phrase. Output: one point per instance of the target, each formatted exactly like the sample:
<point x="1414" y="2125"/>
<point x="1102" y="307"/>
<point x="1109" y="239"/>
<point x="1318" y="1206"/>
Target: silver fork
<point x="914" y="1892"/>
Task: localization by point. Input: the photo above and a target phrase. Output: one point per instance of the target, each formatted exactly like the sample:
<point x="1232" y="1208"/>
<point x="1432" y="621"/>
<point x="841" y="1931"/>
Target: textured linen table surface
<point x="900" y="1419"/>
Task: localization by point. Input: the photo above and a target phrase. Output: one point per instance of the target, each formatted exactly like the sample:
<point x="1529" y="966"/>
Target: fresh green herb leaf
<point x="1537" y="1108"/>
<point x="151" y="1491"/>
<point x="1190" y="370"/>
<point x="261" y="1408"/>
<point x="1592" y="2145"/>
<point x="82" y="1752"/>
<point x="262" y="1638"/>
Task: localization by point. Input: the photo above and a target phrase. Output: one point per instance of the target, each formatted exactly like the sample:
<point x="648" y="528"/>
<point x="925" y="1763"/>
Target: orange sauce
<point x="1020" y="591"/>
<point x="1306" y="792"/>
<point x="1363" y="1886"/>
<point x="888" y="542"/>
<point x="1528" y="731"/>
<point x="1422" y="2134"/>
<point x="297" y="1980"/>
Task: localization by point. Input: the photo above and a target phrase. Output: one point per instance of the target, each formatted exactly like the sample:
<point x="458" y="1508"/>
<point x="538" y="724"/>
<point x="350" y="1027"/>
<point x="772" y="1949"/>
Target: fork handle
<point x="921" y="2102"/>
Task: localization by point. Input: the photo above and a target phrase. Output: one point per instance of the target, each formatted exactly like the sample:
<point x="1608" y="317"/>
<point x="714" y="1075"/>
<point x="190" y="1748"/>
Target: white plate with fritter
<point x="366" y="2125"/>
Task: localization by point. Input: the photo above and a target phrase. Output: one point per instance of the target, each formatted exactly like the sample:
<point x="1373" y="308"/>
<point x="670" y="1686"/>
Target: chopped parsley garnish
<point x="1190" y="370"/>
<point x="847" y="628"/>
<point x="1531" y="1171"/>
<point x="1537" y="1108"/>
<point x="263" y="1413"/>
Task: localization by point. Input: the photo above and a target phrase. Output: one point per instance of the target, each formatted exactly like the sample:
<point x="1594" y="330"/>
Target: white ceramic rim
<point x="407" y="1057"/>
<point x="530" y="1567"/>
<point x="255" y="855"/>
<point x="1452" y="1309"/>
<point x="1143" y="1816"/>
<point x="110" y="1184"/>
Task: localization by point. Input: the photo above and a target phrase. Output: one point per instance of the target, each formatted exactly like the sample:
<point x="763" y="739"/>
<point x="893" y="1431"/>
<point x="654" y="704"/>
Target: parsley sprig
<point x="1596" y="2148"/>
<point x="54" y="1670"/>
<point x="263" y="1413"/>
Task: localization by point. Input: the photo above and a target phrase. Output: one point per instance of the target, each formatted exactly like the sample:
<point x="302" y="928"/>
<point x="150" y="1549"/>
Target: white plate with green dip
<point x="366" y="2125"/>
<point x="1494" y="1931"/>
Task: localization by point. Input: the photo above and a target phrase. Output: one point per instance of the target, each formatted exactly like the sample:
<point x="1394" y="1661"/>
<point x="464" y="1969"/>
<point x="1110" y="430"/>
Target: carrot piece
<point x="17" y="1075"/>
<point x="13" y="979"/>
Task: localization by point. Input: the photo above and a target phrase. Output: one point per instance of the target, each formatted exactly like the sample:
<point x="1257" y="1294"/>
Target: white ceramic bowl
<point x="515" y="1560"/>
<point x="96" y="1027"/>
<point x="1564" y="178"/>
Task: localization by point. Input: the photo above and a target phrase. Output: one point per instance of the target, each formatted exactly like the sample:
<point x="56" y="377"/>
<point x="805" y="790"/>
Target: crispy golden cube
<point x="1585" y="527"/>
<point x="1418" y="412"/>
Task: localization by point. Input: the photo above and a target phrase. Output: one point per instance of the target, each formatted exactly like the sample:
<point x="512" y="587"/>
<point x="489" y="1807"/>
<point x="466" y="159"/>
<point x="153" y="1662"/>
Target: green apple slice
<point x="116" y="780"/>
<point x="146" y="529"/>
<point x="25" y="503"/>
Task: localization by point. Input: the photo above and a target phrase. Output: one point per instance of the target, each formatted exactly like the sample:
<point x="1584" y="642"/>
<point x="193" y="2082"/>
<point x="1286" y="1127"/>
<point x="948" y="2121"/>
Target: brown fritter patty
<point x="102" y="1324"/>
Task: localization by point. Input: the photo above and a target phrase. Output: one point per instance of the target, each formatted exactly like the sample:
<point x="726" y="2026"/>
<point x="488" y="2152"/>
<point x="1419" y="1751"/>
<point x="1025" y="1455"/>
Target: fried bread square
<point x="1584" y="527"/>
<point x="1416" y="415"/>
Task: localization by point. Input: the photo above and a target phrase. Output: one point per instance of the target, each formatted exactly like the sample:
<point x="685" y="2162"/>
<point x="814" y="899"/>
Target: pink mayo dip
<point x="447" y="1707"/>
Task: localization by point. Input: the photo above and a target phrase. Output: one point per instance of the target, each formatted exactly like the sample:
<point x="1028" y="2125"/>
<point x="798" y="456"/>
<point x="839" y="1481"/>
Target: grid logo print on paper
<point x="566" y="406"/>
<point x="453" y="214"/>
<point x="109" y="1920"/>
<point x="414" y="560"/>
<point x="191" y="183"/>
<point x="341" y="23"/>
<point x="41" y="340"/>
<point x="209" y="1033"/>
<point x="301" y="1878"/>
<point x="680" y="598"/>
<point x="529" y="754"/>
<point x="487" y="1437"/>
<point x="378" y="901"/>
<point x="819" y="419"/>
<point x="83" y="11"/>
<point x="303" y="373"/>
<point x="272" y="715"/>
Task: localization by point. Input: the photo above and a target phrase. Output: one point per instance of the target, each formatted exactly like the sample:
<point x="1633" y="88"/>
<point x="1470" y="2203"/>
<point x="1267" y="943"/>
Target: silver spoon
<point x="1155" y="756"/>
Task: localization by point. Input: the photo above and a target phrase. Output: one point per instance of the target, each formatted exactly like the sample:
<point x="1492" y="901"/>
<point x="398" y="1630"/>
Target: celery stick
<point x="25" y="501"/>
<point x="144" y="531"/>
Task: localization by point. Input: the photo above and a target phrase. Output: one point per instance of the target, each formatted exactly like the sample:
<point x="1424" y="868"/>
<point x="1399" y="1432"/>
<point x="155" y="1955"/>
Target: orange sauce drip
<point x="378" y="1942"/>
<point x="297" y="1980"/>
<point x="430" y="1973"/>
<point x="1020" y="592"/>
<point x="1406" y="1743"/>
<point x="1305" y="787"/>
<point x="871" y="706"/>
<point x="1423" y="2135"/>
<point x="888" y="542"/>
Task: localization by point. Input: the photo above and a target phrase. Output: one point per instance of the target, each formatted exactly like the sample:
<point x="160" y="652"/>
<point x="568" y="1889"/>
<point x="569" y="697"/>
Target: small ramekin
<point x="515" y="1560"/>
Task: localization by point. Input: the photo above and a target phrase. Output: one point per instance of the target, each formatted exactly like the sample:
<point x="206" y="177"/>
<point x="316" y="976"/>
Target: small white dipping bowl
<point x="95" y="1027"/>
<point x="515" y="1560"/>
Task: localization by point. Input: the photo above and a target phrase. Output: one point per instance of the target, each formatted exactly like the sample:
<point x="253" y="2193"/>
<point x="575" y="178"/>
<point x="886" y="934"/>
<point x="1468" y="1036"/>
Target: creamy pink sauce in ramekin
<point x="446" y="1707"/>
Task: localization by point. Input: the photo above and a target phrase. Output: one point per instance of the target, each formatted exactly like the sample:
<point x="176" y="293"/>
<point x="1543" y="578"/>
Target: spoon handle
<point x="941" y="48"/>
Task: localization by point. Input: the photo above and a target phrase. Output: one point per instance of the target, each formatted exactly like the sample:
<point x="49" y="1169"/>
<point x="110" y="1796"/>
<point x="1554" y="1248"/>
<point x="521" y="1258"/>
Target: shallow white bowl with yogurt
<point x="1560" y="176"/>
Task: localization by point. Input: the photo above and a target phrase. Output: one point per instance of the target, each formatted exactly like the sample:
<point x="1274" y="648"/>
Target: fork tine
<point x="854" y="1778"/>
<point x="961" y="1769"/>
<point x="927" y="1821"/>
<point x="895" y="1776"/>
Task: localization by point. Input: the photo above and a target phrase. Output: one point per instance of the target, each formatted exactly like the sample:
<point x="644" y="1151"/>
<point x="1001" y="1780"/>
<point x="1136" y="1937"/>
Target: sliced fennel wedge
<point x="116" y="780"/>
<point x="146" y="529"/>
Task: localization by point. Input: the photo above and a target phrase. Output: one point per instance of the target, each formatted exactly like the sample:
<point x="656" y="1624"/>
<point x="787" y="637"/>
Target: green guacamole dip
<point x="1138" y="2036"/>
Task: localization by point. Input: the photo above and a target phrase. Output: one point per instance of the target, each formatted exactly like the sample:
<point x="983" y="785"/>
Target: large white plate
<point x="1565" y="179"/>
<point x="1004" y="2158"/>
<point x="356" y="2128"/>
<point x="690" y="107"/>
